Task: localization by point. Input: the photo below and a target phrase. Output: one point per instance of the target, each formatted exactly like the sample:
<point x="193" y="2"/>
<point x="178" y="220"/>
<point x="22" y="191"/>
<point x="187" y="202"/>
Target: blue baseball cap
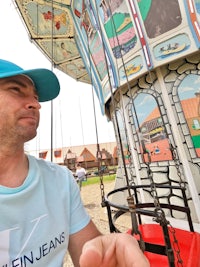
<point x="45" y="81"/>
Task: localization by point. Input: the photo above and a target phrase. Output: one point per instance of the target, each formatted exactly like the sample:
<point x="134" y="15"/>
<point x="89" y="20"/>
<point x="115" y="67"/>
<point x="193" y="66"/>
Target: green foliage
<point x="96" y="179"/>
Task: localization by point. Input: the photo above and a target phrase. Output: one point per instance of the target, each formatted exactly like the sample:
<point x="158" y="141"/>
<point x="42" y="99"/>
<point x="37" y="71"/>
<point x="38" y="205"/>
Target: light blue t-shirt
<point x="37" y="218"/>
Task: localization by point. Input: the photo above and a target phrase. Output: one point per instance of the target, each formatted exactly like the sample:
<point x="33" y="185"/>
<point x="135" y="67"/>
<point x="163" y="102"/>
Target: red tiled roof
<point x="191" y="107"/>
<point x="87" y="155"/>
<point x="154" y="114"/>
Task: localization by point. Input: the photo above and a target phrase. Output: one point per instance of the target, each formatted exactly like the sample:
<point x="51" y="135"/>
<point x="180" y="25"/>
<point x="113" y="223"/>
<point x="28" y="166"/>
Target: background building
<point x="84" y="154"/>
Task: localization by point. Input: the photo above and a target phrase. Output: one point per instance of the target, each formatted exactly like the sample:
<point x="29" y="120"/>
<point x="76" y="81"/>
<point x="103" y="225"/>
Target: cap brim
<point x="45" y="81"/>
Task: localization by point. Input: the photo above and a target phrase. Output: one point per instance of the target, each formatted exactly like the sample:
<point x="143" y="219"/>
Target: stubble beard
<point x="17" y="135"/>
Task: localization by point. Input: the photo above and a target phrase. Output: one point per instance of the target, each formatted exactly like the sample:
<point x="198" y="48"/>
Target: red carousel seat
<point x="188" y="243"/>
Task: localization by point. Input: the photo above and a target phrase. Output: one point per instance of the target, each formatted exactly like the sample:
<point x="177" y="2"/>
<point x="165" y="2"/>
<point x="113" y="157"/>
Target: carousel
<point x="142" y="59"/>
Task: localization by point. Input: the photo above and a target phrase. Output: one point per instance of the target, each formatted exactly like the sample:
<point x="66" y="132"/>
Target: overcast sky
<point x="74" y="122"/>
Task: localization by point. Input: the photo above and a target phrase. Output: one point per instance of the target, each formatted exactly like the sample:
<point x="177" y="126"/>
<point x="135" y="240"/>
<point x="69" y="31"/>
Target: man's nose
<point x="33" y="104"/>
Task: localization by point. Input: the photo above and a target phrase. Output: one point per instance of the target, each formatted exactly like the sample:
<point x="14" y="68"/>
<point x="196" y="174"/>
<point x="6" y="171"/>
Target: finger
<point x="113" y="250"/>
<point x="90" y="257"/>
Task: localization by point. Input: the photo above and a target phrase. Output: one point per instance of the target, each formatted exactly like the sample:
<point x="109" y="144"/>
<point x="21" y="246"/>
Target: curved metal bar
<point x="144" y="208"/>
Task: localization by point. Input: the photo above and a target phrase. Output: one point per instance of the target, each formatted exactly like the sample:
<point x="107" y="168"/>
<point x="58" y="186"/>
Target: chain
<point x="150" y="176"/>
<point x="176" y="246"/>
<point x="130" y="113"/>
<point x="102" y="191"/>
<point x="130" y="198"/>
<point x="177" y="166"/>
<point x="161" y="219"/>
<point x="171" y="229"/>
<point x="100" y="172"/>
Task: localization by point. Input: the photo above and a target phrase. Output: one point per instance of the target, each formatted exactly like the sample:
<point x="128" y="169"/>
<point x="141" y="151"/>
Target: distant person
<point x="42" y="215"/>
<point x="81" y="174"/>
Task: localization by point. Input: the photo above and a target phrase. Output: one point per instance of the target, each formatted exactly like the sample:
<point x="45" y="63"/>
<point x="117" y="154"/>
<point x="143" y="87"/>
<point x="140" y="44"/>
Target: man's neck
<point x="13" y="169"/>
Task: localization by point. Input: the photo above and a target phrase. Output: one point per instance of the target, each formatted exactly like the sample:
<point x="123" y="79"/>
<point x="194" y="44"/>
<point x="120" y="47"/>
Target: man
<point x="81" y="174"/>
<point x="41" y="211"/>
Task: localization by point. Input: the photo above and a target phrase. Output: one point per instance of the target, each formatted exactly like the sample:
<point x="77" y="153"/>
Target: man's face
<point x="19" y="109"/>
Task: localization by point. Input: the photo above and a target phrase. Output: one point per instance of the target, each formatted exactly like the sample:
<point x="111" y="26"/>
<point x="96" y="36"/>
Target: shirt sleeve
<point x="79" y="218"/>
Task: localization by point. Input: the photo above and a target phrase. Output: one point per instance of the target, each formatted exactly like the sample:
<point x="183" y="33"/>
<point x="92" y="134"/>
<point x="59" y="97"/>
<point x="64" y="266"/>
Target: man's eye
<point x="17" y="89"/>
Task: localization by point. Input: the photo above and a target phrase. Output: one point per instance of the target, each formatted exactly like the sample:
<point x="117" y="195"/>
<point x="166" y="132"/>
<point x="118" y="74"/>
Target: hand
<point x="113" y="250"/>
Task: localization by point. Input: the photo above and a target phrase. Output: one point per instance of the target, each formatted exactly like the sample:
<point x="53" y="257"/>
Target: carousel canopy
<point x="51" y="27"/>
<point x="112" y="43"/>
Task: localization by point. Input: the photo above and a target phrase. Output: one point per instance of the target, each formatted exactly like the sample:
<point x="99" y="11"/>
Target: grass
<point x="96" y="179"/>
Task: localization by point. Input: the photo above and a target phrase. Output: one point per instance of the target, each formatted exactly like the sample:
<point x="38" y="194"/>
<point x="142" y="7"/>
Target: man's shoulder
<point x="48" y="165"/>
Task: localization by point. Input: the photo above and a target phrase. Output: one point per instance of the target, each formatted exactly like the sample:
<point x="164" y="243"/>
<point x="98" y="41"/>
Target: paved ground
<point x="91" y="197"/>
